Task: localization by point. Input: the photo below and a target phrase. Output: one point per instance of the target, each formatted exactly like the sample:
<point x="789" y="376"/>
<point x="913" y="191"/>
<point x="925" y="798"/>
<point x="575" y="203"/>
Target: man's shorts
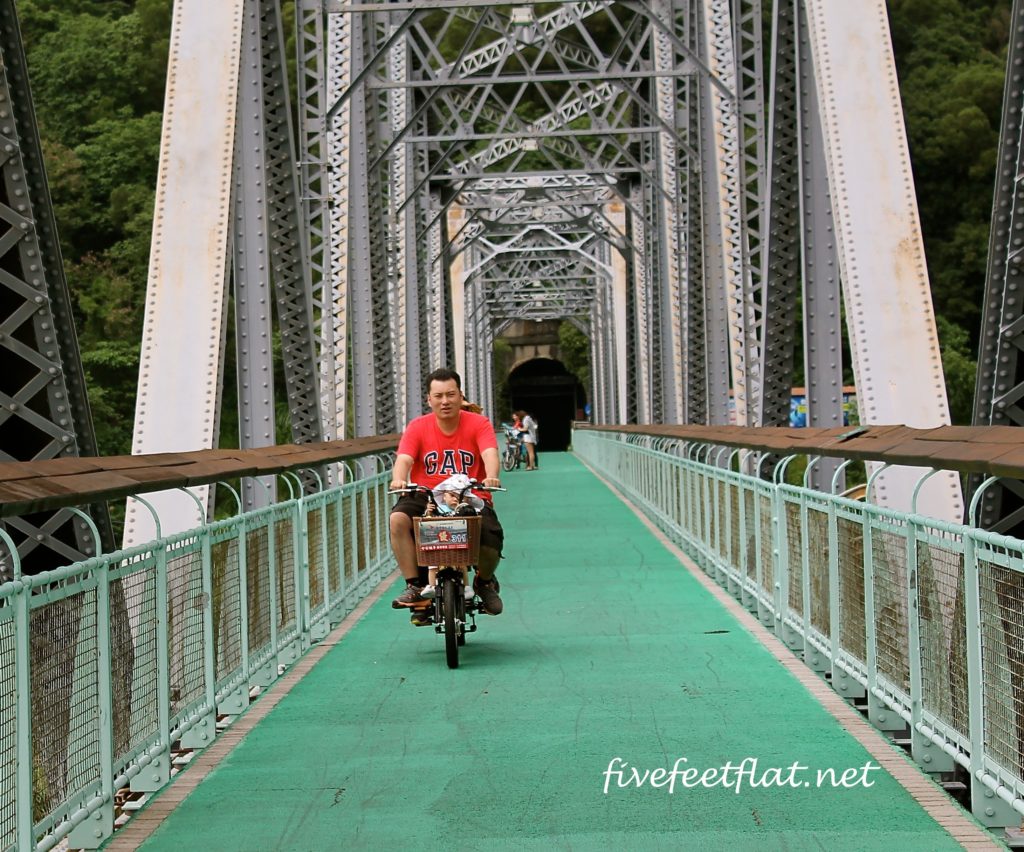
<point x="491" y="533"/>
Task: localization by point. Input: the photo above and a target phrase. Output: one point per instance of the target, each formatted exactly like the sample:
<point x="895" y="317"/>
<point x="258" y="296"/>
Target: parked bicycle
<point x="449" y="544"/>
<point x="515" y="450"/>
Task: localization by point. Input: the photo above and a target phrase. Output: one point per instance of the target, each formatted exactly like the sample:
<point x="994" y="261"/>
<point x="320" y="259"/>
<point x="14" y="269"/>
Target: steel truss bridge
<point x="710" y="190"/>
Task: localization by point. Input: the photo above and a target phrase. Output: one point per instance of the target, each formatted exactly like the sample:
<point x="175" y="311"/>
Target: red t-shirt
<point x="436" y="456"/>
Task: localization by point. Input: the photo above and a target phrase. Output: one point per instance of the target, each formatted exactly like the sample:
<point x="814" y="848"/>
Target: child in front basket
<point x="446" y="497"/>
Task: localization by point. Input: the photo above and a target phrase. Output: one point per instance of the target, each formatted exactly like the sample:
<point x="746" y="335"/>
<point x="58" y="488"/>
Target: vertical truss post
<point x="311" y="86"/>
<point x="178" y="401"/>
<point x="782" y="241"/>
<point x="365" y="334"/>
<point x="401" y="234"/>
<point x="292" y="279"/>
<point x="253" y="320"/>
<point x="881" y="254"/>
<point x="1000" y="384"/>
<point x="726" y="163"/>
<point x="672" y="260"/>
<point x="640" y="333"/>
<point x="823" y="351"/>
<point x="614" y="326"/>
<point x="339" y="235"/>
<point x="434" y="319"/>
<point x="457" y="285"/>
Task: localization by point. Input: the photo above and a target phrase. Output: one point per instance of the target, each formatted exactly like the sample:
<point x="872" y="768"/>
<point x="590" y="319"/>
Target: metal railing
<point x="105" y="663"/>
<point x="924" y="619"/>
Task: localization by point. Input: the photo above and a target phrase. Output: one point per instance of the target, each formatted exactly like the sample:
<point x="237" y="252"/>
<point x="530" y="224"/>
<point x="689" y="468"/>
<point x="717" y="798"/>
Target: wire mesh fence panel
<point x="8" y="725"/>
<point x="767" y="557"/>
<point x="889" y="573"/>
<point x="750" y="521"/>
<point x="134" y="650"/>
<point x="794" y="555"/>
<point x="284" y="575"/>
<point x="943" y="630"/>
<point x="361" y="533"/>
<point x="227" y="605"/>
<point x="257" y="574"/>
<point x="734" y="556"/>
<point x="852" y="625"/>
<point x="315" y="557"/>
<point x="185" y="602"/>
<point x="1001" y="590"/>
<point x="710" y="497"/>
<point x="335" y="568"/>
<point x="818" y="550"/>
<point x="63" y="661"/>
<point x="350" y="520"/>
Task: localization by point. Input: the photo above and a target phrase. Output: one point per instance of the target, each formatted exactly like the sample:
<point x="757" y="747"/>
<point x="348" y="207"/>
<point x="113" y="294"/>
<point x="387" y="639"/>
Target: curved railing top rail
<point x="44" y="485"/>
<point x="993" y="450"/>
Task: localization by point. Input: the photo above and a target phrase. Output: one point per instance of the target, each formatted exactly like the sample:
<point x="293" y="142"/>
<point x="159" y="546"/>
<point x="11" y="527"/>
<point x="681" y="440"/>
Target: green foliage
<point x="574" y="349"/>
<point x="97" y="70"/>
<point x="960" y="369"/>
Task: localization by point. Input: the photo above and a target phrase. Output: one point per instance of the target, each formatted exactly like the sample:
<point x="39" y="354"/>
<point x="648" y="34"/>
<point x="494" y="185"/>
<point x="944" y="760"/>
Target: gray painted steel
<point x="44" y="409"/>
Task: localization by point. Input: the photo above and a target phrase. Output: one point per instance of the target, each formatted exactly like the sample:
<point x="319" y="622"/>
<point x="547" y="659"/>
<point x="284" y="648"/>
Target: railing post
<point x="91" y="832"/>
<point x="300" y="538"/>
<point x="23" y="718"/>
<point x="158" y="772"/>
<point x="203" y="732"/>
<point x="988" y="808"/>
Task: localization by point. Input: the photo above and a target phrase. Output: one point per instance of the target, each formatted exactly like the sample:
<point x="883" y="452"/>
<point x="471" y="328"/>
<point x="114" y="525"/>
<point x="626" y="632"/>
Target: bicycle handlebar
<point x="474" y="485"/>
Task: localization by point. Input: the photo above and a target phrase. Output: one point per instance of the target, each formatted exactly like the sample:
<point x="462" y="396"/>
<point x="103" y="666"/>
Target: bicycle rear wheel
<point x="449" y="607"/>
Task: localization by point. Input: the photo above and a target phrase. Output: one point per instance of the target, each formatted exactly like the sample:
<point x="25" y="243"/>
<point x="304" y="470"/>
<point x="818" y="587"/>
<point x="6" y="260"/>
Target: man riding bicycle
<point x="433" y="447"/>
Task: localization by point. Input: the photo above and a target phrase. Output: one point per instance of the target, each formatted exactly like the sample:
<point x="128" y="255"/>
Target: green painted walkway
<point x="608" y="648"/>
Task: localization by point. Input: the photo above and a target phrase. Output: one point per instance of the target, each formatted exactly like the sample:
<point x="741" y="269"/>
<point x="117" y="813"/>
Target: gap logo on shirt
<point x="449" y="462"/>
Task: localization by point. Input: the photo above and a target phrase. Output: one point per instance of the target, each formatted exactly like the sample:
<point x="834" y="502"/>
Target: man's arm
<point x="492" y="467"/>
<point x="400" y="472"/>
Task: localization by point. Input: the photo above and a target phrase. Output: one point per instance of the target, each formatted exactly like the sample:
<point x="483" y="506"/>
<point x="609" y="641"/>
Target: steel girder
<point x="999" y="393"/>
<point x="891" y="326"/>
<point x="44" y="409"/>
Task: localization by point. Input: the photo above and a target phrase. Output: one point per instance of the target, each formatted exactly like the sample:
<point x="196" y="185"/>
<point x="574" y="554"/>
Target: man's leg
<point x="492" y="539"/>
<point x="404" y="547"/>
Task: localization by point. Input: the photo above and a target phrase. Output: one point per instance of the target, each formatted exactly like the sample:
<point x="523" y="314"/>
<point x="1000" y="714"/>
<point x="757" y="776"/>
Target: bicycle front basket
<point x="447" y="541"/>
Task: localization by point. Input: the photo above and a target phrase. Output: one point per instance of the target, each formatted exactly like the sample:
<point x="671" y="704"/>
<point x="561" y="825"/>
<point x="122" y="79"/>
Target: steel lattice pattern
<point x="889" y="569"/>
<point x="65" y="703"/>
<point x="1002" y="638"/>
<point x="227" y="606"/>
<point x="8" y="723"/>
<point x="257" y="569"/>
<point x="795" y="556"/>
<point x="185" y="602"/>
<point x="138" y="725"/>
<point x="852" y="628"/>
<point x="818" y="550"/>
<point x="943" y="631"/>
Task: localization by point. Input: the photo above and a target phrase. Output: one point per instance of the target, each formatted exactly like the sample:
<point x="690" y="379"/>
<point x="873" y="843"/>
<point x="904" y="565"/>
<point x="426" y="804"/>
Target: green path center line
<point x="607" y="649"/>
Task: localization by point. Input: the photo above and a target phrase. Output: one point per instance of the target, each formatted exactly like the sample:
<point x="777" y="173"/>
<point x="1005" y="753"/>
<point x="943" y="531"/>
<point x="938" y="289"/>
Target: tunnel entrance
<point x="553" y="395"/>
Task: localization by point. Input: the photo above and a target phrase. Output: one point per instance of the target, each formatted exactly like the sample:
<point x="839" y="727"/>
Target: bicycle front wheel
<point x="449" y="609"/>
<point x="508" y="461"/>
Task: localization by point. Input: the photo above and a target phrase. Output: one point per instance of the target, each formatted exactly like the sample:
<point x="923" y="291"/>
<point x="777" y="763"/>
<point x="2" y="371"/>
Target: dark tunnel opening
<point x="554" y="396"/>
